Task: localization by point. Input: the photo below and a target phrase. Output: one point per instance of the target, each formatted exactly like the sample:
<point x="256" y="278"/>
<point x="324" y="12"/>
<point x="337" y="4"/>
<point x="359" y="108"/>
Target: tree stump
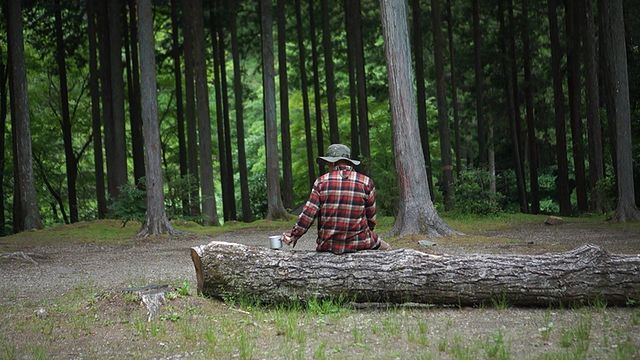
<point x="582" y="275"/>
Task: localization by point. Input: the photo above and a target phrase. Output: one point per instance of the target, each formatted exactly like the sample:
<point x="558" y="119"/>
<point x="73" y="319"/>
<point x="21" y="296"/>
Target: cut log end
<point x="197" y="263"/>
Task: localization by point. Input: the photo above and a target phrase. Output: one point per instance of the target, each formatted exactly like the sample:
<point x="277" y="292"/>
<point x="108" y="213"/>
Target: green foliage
<point x="130" y="205"/>
<point x="473" y="194"/>
<point x="258" y="194"/>
<point x="607" y="187"/>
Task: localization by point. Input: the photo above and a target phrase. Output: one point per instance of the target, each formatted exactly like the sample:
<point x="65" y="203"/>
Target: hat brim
<point x="332" y="159"/>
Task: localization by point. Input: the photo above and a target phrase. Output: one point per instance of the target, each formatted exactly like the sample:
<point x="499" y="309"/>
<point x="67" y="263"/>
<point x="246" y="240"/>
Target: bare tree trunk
<point x="573" y="85"/>
<point x="491" y="157"/>
<point x="558" y="100"/>
<point x="528" y="98"/>
<point x="454" y="89"/>
<point x="135" y="117"/>
<point x="605" y="94"/>
<point x="275" y="208"/>
<point x="247" y="215"/>
<point x="3" y="128"/>
<point x="193" y="11"/>
<point x="594" y="130"/>
<point x="328" y="73"/>
<point x="305" y="96"/>
<point x="316" y="85"/>
<point x="156" y="221"/>
<point x="94" y="89"/>
<point x="418" y="46"/>
<point x="27" y="191"/>
<point x="117" y="173"/>
<point x="477" y="46"/>
<point x="287" y="172"/>
<point x="363" y="109"/>
<point x="613" y="31"/>
<point x="416" y="212"/>
<point x="177" y="74"/>
<point x="351" y="70"/>
<point x="106" y="93"/>
<point x="443" y="113"/>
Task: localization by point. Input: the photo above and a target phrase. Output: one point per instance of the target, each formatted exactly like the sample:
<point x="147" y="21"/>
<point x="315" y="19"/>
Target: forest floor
<point x="77" y="273"/>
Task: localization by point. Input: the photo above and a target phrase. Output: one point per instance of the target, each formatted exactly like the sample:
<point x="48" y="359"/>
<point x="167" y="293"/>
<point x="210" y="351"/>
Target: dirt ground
<point x="60" y="268"/>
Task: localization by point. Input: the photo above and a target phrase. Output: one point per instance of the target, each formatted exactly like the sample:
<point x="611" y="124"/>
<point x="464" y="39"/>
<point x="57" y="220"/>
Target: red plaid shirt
<point x="345" y="203"/>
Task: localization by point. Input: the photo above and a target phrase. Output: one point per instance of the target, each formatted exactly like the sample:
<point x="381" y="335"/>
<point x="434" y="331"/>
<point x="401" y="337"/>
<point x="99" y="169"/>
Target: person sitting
<point x="344" y="201"/>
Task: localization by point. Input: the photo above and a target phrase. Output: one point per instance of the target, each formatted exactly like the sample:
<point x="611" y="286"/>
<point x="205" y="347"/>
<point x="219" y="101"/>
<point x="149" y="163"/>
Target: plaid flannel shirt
<point x="344" y="201"/>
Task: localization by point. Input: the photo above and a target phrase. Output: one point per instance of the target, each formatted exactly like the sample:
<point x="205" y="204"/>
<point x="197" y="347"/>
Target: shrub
<point x="130" y="204"/>
<point x="258" y="194"/>
<point x="473" y="194"/>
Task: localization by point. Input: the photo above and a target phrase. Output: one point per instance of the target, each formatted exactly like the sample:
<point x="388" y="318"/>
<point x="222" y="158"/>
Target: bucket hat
<point x="336" y="152"/>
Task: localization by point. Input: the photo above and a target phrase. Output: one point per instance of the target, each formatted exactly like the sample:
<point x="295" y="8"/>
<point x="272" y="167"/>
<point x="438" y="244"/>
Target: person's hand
<point x="288" y="239"/>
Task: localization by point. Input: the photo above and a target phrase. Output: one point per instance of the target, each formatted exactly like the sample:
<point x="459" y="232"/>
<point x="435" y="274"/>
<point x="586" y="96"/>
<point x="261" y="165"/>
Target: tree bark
<point x="275" y="208"/>
<point x="574" y="89"/>
<point x="416" y="214"/>
<point x="477" y="46"/>
<point x="135" y="117"/>
<point x="96" y="121"/>
<point x="351" y="70"/>
<point x="418" y="46"/>
<point x="305" y="97"/>
<point x="361" y="80"/>
<point x="27" y="192"/>
<point x="334" y="131"/>
<point x="247" y="214"/>
<point x="562" y="184"/>
<point x="614" y="40"/>
<point x="454" y="90"/>
<point x="3" y="128"/>
<point x="287" y="172"/>
<point x="316" y="86"/>
<point x="177" y="74"/>
<point x="156" y="221"/>
<point x="117" y="167"/>
<point x="528" y="99"/>
<point x="579" y="276"/>
<point x="594" y="130"/>
<point x="105" y="85"/>
<point x="443" y="112"/>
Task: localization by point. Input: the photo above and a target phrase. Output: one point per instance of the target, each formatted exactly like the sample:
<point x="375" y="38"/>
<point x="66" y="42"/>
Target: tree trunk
<point x="351" y="70"/>
<point x="363" y="109"/>
<point x="193" y="11"/>
<point x="117" y="172"/>
<point x="156" y="221"/>
<point x="477" y="46"/>
<point x="135" y="117"/>
<point x="613" y="31"/>
<point x="443" y="113"/>
<point x="418" y="48"/>
<point x="562" y="182"/>
<point x="528" y="98"/>
<point x="275" y="208"/>
<point x="3" y="128"/>
<point x="491" y="158"/>
<point x="305" y="97"/>
<point x="287" y="172"/>
<point x="594" y="131"/>
<point x="579" y="276"/>
<point x="454" y="90"/>
<point x="328" y="73"/>
<point x="316" y="86"/>
<point x="96" y="122"/>
<point x="27" y="191"/>
<point x="605" y="94"/>
<point x="177" y="74"/>
<point x="105" y="85"/>
<point x="417" y="214"/>
<point x="65" y="122"/>
<point x="190" y="102"/>
<point x="247" y="215"/>
<point x="573" y="84"/>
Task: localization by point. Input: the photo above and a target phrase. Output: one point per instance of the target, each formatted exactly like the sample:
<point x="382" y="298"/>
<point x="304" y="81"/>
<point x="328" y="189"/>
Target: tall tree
<point x="416" y="213"/>
<point x="65" y="121"/>
<point x="574" y="89"/>
<point x="305" y="96"/>
<point x="594" y="130"/>
<point x="287" y="172"/>
<point x="96" y="121"/>
<point x="528" y="99"/>
<point x="116" y="148"/>
<point x="275" y="208"/>
<point x="316" y="85"/>
<point x="443" y="113"/>
<point x="247" y="214"/>
<point x="351" y="64"/>
<point x="156" y="221"/>
<point x="614" y="40"/>
<point x="18" y="87"/>
<point x="177" y="74"/>
<point x="454" y="89"/>
<point x="328" y="73"/>
<point x="562" y="181"/>
<point x="135" y="117"/>
<point x="479" y="87"/>
<point x="3" y="128"/>
<point x="361" y="80"/>
<point x="418" y="48"/>
<point x="193" y="12"/>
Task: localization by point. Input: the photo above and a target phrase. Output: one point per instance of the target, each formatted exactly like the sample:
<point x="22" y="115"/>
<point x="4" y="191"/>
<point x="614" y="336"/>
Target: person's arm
<point x="306" y="217"/>
<point x="370" y="206"/>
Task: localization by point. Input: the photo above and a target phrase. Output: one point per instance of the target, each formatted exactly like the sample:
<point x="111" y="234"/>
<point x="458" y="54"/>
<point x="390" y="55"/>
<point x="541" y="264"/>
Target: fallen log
<point x="582" y="275"/>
